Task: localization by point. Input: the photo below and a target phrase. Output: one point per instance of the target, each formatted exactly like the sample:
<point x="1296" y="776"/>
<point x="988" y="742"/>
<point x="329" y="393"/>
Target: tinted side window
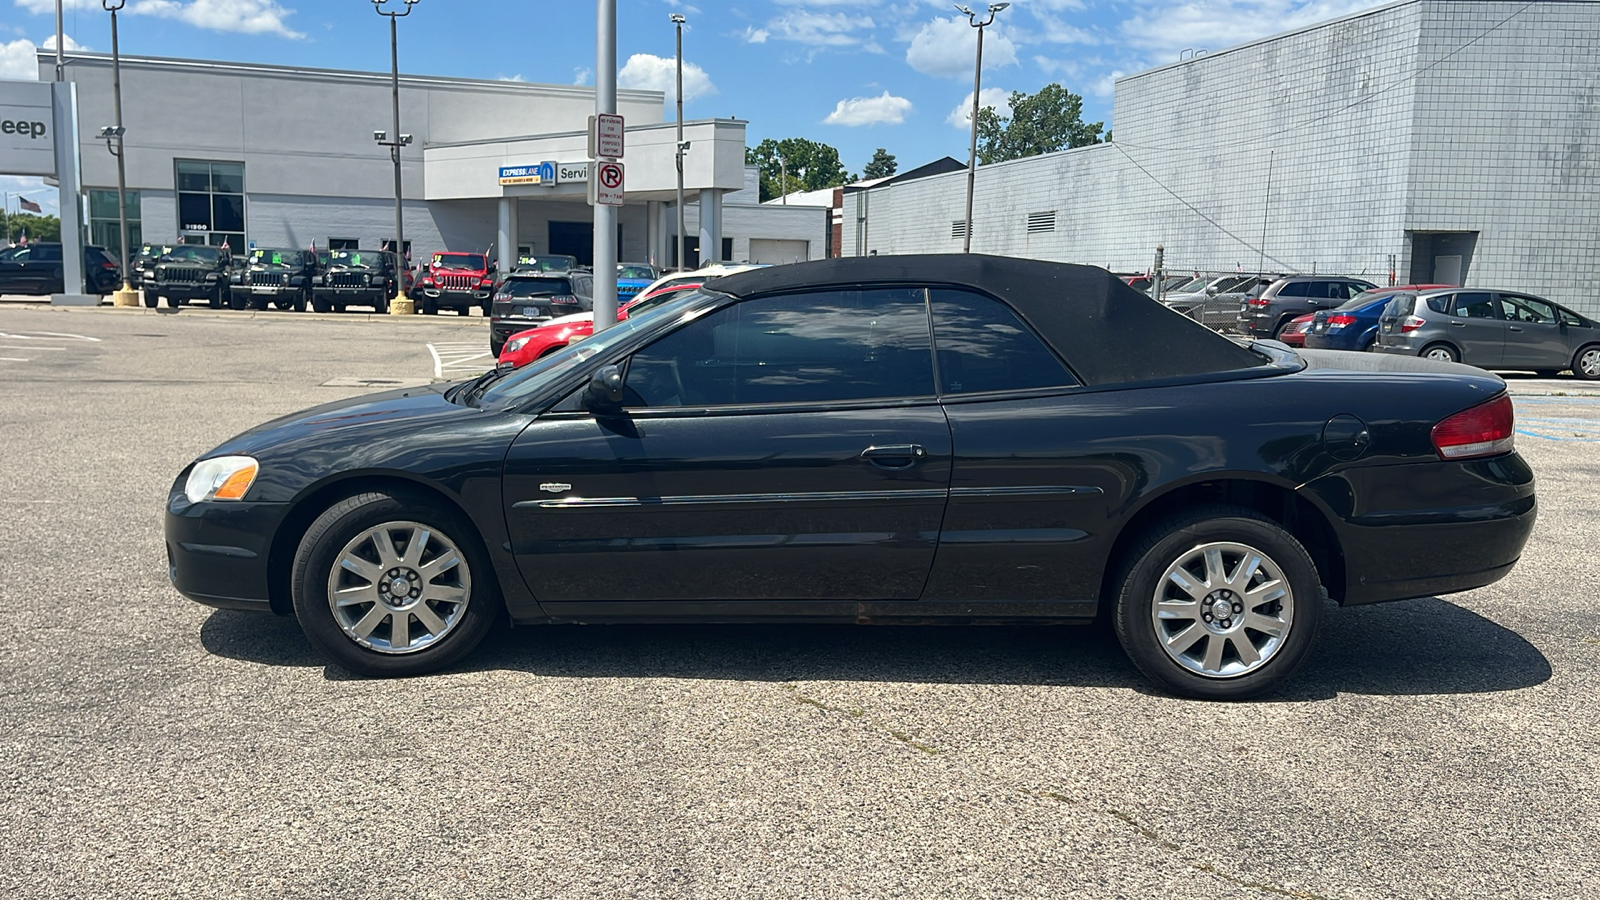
<point x="1294" y="289"/>
<point x="1568" y="317"/>
<point x="829" y="346"/>
<point x="984" y="346"/>
<point x="1475" y="306"/>
<point x="1527" y="309"/>
<point x="1439" y="303"/>
<point x="45" y="253"/>
<point x="1323" y="290"/>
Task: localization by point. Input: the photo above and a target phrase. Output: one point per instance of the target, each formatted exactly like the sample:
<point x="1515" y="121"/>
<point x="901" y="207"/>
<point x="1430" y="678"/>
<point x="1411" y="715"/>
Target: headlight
<point x="516" y="344"/>
<point x="366" y="279"/>
<point x="222" y="478"/>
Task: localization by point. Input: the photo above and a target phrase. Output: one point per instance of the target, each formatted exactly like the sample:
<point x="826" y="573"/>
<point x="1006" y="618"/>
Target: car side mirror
<point x="605" y="389"/>
<point x="1211" y="291"/>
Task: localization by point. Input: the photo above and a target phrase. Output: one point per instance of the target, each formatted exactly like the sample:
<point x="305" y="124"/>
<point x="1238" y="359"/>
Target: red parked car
<point x="1294" y="333"/>
<point x="526" y="346"/>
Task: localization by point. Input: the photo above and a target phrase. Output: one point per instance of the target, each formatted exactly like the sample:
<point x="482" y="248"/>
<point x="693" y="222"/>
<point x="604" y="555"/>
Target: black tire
<point x="1441" y="352"/>
<point x="1144" y="581"/>
<point x="151" y="300"/>
<point x="382" y="306"/>
<point x="1277" y="330"/>
<point x="321" y="304"/>
<point x="1547" y="373"/>
<point x="485" y="309"/>
<point x="430" y="307"/>
<point x="299" y="303"/>
<point x="215" y="298"/>
<point x="495" y="347"/>
<point x="318" y="559"/>
<point x="282" y="305"/>
<point x="1586" y="363"/>
<point x="338" y="307"/>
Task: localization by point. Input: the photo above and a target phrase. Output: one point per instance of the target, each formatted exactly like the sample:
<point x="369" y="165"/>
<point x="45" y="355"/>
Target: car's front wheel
<point x="1440" y="353"/>
<point x="1586" y="364"/>
<point x="1218" y="603"/>
<point x="391" y="585"/>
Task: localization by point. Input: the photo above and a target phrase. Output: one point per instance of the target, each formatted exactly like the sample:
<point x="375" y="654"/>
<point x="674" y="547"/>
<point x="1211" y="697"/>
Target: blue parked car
<point x="1353" y="325"/>
<point x="633" y="278"/>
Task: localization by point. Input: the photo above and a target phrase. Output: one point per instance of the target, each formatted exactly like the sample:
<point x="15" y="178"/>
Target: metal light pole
<point x="604" y="290"/>
<point x="977" y="87"/>
<point x="126" y="296"/>
<point x="400" y="140"/>
<point x="678" y="20"/>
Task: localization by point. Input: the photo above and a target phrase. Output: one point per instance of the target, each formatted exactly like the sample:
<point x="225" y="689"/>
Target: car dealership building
<point x="1453" y="141"/>
<point x="235" y="153"/>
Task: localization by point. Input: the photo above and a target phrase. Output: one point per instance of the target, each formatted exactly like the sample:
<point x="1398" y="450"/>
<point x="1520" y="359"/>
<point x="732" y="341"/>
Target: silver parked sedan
<point x="1492" y="330"/>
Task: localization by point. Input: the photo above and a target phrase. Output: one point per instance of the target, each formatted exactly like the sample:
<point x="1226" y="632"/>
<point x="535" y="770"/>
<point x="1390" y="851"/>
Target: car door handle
<point x="1459" y="324"/>
<point x="895" y="456"/>
<point x="1514" y="328"/>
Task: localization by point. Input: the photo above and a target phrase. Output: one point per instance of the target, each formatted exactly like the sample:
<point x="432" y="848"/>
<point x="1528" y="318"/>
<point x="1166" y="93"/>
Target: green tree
<point x="882" y="165"/>
<point x="1045" y="122"/>
<point x="811" y="166"/>
<point x="37" y="228"/>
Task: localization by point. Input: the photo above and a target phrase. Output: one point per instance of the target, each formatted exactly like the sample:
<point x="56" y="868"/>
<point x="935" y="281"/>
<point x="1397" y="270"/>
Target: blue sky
<point x="855" y="75"/>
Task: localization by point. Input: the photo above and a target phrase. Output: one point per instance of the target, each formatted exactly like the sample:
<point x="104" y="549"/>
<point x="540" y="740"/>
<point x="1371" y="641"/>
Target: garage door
<point x="773" y="252"/>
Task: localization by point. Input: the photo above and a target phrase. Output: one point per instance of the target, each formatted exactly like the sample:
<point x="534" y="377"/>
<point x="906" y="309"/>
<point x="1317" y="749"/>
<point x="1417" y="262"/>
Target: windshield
<point x="290" y="258"/>
<point x="469" y="261"/>
<point x="644" y="272"/>
<point x="193" y="252"/>
<point x="1190" y="286"/>
<point x="640" y="307"/>
<point x="536" y="287"/>
<point x="357" y="259"/>
<point x="1235" y="284"/>
<point x="535" y="377"/>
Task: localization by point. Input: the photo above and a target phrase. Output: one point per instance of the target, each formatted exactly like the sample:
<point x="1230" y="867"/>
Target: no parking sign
<point x="605" y="188"/>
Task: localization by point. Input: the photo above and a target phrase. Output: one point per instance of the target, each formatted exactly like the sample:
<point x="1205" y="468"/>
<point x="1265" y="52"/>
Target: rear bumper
<point x="217" y="553"/>
<point x="1462" y="526"/>
<point x="503" y="330"/>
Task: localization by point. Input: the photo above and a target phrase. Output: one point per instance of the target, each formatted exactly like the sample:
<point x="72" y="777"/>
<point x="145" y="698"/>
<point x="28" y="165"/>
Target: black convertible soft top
<point x="1108" y="332"/>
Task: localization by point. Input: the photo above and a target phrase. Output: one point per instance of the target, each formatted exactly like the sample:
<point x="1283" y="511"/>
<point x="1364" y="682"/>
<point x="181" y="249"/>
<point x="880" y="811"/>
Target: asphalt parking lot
<point x="155" y="748"/>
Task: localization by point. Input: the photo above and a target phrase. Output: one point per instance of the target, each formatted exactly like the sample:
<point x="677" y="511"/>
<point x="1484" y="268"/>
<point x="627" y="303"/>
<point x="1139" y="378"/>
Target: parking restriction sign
<point x="605" y="188"/>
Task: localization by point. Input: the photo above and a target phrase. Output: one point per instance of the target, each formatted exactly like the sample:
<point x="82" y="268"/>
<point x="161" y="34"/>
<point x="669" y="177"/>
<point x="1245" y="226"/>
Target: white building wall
<point x="1334" y="142"/>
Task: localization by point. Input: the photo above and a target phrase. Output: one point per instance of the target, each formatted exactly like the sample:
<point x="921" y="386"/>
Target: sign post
<point x="605" y="129"/>
<point x="605" y="188"/>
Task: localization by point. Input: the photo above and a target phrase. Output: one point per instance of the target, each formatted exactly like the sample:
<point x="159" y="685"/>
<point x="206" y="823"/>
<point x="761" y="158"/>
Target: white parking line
<point x="452" y="358"/>
<point x="35" y="347"/>
<point x="45" y="336"/>
<point x="14" y="359"/>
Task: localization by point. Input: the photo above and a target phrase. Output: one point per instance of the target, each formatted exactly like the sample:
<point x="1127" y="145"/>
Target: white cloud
<point x="1053" y="30"/>
<point x="41" y="7"/>
<point x="1106" y="85"/>
<point x="644" y="71"/>
<point x="818" y="29"/>
<point x="244" y="16"/>
<point x="516" y="77"/>
<point x="884" y="110"/>
<point x="582" y="75"/>
<point x="754" y="35"/>
<point x="50" y="43"/>
<point x="999" y="98"/>
<point x="1167" y="26"/>
<point x="947" y="47"/>
<point x="17" y="60"/>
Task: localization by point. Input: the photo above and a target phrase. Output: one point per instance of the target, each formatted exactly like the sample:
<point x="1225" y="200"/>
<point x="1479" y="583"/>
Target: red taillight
<point x="1411" y="323"/>
<point x="108" y="265"/>
<point x="564" y="300"/>
<point x="1259" y="301"/>
<point x="1484" y="430"/>
<point x="1340" y="321"/>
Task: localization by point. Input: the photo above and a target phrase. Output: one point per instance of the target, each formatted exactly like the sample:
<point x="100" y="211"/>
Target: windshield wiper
<point x="469" y="393"/>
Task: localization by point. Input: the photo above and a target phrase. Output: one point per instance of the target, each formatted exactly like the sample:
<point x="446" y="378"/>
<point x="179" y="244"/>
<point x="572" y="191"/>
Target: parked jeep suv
<point x="356" y="278"/>
<point x="274" y="276"/>
<point x="457" y="281"/>
<point x="187" y="272"/>
<point x="1265" y="313"/>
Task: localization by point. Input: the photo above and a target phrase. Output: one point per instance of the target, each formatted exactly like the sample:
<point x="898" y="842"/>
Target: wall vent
<point x="958" y="229"/>
<point x="1040" y="222"/>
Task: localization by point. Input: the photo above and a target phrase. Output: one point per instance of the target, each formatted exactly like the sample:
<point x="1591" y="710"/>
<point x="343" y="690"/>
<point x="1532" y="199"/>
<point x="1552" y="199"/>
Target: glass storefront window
<point x="211" y="206"/>
<point x="105" y="228"/>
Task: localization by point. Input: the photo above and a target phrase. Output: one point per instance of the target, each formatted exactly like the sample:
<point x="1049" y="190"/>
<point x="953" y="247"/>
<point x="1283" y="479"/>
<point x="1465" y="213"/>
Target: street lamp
<point x="977" y="86"/>
<point x="677" y="21"/>
<point x="113" y="135"/>
<point x="400" y="140"/>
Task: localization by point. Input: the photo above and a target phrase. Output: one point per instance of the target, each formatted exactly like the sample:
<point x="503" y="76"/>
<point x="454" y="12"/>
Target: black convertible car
<point x="915" y="438"/>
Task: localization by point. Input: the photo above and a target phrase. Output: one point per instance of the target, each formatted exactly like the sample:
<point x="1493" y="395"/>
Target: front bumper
<point x="448" y="296"/>
<point x="184" y="290"/>
<point x="217" y="552"/>
<point x="357" y="295"/>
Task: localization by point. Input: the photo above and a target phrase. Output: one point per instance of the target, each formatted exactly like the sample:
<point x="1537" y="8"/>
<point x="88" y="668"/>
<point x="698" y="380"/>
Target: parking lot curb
<point x="272" y="314"/>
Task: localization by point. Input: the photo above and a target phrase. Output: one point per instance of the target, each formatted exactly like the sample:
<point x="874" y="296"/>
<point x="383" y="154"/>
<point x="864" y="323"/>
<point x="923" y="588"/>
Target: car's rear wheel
<point x="1218" y="603"/>
<point x="300" y="302"/>
<point x="384" y="584"/>
<point x="495" y="347"/>
<point x="151" y="301"/>
<point x="1586" y="364"/>
<point x="1440" y="353"/>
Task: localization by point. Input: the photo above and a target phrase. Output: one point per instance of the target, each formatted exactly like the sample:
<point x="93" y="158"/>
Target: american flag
<point x="29" y="205"/>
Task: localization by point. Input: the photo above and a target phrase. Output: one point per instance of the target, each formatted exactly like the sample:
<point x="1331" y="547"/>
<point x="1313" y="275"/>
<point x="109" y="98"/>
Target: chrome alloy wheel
<point x="399" y="587"/>
<point x="1589" y="363"/>
<point x="1222" y="610"/>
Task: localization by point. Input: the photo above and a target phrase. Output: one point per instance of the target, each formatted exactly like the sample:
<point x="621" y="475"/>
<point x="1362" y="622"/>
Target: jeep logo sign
<point x="33" y="130"/>
<point x="27" y="129"/>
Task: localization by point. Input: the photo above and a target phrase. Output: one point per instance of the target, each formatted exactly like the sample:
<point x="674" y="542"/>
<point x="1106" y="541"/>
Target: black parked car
<point x="527" y="298"/>
<point x="878" y="439"/>
<point x="356" y="278"/>
<point x="36" y="269"/>
<point x="275" y="276"/>
<point x="188" y="272"/>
